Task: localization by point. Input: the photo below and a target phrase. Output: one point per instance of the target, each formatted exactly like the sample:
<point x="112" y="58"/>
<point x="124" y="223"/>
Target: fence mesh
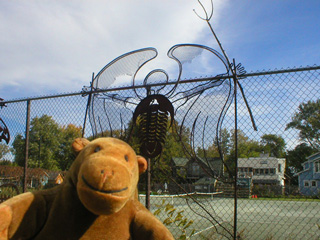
<point x="278" y="186"/>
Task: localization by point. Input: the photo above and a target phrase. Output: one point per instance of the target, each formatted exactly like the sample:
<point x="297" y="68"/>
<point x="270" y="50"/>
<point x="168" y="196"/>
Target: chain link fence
<point x="277" y="194"/>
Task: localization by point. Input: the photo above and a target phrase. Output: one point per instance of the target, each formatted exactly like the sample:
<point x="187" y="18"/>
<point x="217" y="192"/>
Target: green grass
<point x="302" y="199"/>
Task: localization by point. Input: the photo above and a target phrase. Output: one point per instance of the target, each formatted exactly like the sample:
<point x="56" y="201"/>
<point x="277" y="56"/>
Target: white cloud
<point x="54" y="46"/>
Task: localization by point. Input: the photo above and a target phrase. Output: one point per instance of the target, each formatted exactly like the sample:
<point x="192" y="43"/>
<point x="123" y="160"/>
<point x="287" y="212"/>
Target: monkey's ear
<point x="79" y="143"/>
<point x="142" y="163"/>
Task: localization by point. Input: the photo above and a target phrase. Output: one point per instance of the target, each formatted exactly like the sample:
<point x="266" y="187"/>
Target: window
<point x="272" y="171"/>
<point x="261" y="171"/>
<point x="317" y="166"/>
<point x="195" y="169"/>
<point x="313" y="183"/>
<point x="306" y="183"/>
<point x="279" y="168"/>
<point x="266" y="171"/>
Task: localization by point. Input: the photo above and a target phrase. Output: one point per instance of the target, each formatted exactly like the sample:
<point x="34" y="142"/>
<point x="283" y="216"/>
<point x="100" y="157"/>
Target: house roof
<point x="314" y="157"/>
<point x="260" y="162"/>
<point x="180" y="162"/>
<point x="54" y="174"/>
<point x="298" y="173"/>
<point x="214" y="163"/>
<point x="17" y="171"/>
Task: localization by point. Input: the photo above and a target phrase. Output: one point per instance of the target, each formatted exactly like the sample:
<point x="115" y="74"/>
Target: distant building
<point x="55" y="177"/>
<point x="36" y="177"/>
<point x="309" y="177"/>
<point x="200" y="174"/>
<point x="193" y="170"/>
<point x="263" y="170"/>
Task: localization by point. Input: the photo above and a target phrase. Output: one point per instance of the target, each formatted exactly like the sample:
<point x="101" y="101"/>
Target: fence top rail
<point x="182" y="195"/>
<point x="201" y="79"/>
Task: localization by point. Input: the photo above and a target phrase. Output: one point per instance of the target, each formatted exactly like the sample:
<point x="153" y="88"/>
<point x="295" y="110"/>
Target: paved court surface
<point x="257" y="219"/>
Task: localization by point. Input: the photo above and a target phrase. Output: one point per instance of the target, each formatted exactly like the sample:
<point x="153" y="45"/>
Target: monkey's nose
<point x="106" y="173"/>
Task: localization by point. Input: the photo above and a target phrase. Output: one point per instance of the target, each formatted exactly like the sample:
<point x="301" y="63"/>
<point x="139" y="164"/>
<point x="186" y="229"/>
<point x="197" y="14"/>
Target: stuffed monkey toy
<point x="97" y="200"/>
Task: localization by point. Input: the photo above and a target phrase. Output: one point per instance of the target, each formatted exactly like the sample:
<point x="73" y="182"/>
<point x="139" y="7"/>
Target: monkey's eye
<point x="97" y="149"/>
<point x="126" y="158"/>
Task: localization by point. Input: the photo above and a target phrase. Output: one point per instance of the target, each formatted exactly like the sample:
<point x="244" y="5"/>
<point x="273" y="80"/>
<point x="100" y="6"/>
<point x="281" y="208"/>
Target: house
<point x="55" y="177"/>
<point x="179" y="167"/>
<point x="309" y="177"/>
<point x="193" y="169"/>
<point x="36" y="177"/>
<point x="196" y="174"/>
<point x="263" y="170"/>
<point x="10" y="174"/>
<point x="205" y="184"/>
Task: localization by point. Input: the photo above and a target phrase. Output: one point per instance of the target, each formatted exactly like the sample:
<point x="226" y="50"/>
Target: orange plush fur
<point x="97" y="200"/>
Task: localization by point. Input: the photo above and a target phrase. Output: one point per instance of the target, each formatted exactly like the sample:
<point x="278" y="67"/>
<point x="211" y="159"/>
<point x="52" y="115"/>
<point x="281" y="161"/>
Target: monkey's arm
<point x="146" y="226"/>
<point x="22" y="216"/>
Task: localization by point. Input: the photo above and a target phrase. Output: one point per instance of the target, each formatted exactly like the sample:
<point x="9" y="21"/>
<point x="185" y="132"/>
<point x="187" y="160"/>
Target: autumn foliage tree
<point x="49" y="144"/>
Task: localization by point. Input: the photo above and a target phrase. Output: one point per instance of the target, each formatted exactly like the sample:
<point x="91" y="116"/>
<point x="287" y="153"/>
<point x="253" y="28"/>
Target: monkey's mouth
<point x="103" y="191"/>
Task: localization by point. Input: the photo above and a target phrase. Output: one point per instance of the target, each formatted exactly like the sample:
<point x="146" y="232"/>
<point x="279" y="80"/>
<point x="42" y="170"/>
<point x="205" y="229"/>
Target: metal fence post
<point x="148" y="184"/>
<point x="26" y="147"/>
<point x="88" y="104"/>
<point x="235" y="79"/>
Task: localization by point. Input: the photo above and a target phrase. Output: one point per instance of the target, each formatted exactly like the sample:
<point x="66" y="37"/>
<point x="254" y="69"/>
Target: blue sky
<point x="50" y="47"/>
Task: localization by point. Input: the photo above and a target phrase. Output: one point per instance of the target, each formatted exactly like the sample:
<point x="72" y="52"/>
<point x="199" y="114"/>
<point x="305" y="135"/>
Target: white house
<point x="262" y="170"/>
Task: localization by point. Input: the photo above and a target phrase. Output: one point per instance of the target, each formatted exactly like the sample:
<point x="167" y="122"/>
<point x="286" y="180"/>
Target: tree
<point x="246" y="147"/>
<point x="18" y="150"/>
<point x="306" y="120"/>
<point x="44" y="142"/>
<point x="7" y="163"/>
<point x="298" y="155"/>
<point x="273" y="144"/>
<point x="65" y="154"/>
<point x="213" y="150"/>
<point x="295" y="158"/>
<point x="49" y="144"/>
<point x="4" y="150"/>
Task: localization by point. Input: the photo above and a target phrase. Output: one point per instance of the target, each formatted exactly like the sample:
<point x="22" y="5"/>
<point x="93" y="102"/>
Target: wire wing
<point x="4" y="132"/>
<point x="103" y="105"/>
<point x="201" y="108"/>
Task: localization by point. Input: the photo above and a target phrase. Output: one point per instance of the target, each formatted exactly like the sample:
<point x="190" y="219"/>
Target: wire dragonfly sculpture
<point x="154" y="103"/>
<point x="4" y="131"/>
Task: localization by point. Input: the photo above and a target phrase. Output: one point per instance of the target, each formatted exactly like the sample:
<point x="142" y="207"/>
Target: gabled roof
<point x="214" y="163"/>
<point x="314" y="157"/>
<point x="54" y="174"/>
<point x="17" y="171"/>
<point x="180" y="162"/>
